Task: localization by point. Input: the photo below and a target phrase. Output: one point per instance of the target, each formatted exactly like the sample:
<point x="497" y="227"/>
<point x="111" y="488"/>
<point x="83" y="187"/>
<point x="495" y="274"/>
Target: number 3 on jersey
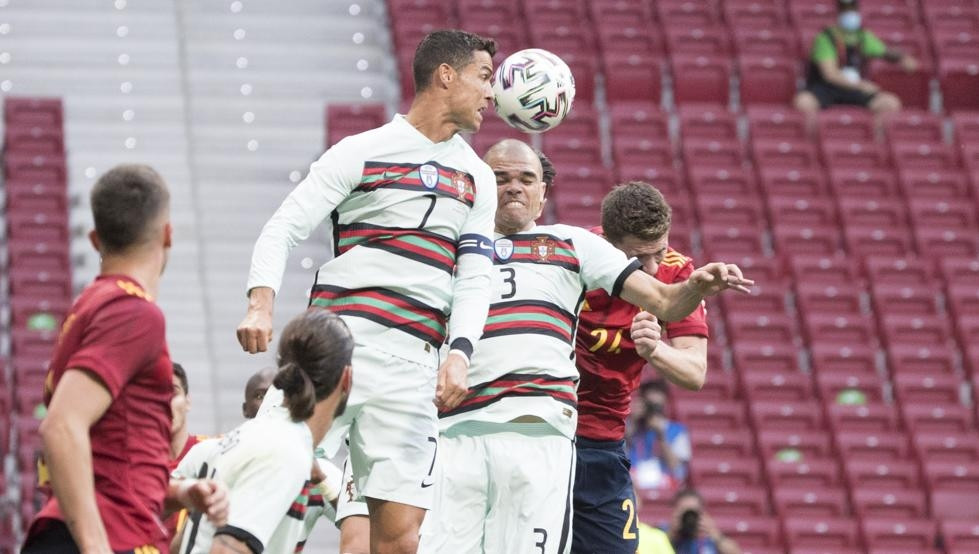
<point x="509" y="289"/>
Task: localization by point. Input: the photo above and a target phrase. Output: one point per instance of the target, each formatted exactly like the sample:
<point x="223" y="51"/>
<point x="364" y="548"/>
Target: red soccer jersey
<point x="116" y="332"/>
<point x="176" y="519"/>
<point x="607" y="358"/>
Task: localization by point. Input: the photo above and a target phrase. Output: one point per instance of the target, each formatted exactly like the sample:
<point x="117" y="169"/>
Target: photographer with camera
<point x="693" y="531"/>
<point x="660" y="448"/>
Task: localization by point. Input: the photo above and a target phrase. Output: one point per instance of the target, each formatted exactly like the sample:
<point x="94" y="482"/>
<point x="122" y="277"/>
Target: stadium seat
<point x="25" y="309"/>
<point x="581" y="124"/>
<point x="738" y="211"/>
<point x="765" y="357"/>
<point x="785" y="416"/>
<point x="35" y="168"/>
<point x="942" y="214"/>
<point x="765" y="298"/>
<point x="700" y="79"/>
<point x="839" y="330"/>
<point x="776" y="123"/>
<point x="707" y="121"/>
<point x="962" y="300"/>
<point x="852" y="358"/>
<point x="687" y="14"/>
<point x="709" y="414"/>
<point x="898" y="270"/>
<point x="960" y="536"/>
<point x="642" y="120"/>
<point x="951" y="475"/>
<point x="873" y="417"/>
<point x="38" y="226"/>
<point x="809" y="211"/>
<point x="562" y="149"/>
<point x="805" y="502"/>
<point x="874" y="446"/>
<point x="632" y="77"/>
<point x="651" y="151"/>
<point x="910" y="300"/>
<point x="759" y="534"/>
<point x="949" y="17"/>
<point x="782" y="386"/>
<point x="43" y="112"/>
<point x="627" y="36"/>
<point x="809" y="240"/>
<point x="956" y="45"/>
<point x="864" y="183"/>
<point x="784" y="153"/>
<point x="655" y="505"/>
<point x="882" y="473"/>
<point x="939" y="420"/>
<point x="821" y="298"/>
<point x="885" y="239"/>
<point x="796" y="183"/>
<point x="584" y="67"/>
<point x="959" y="79"/>
<point x="499" y="12"/>
<point x="931" y="331"/>
<point x="938" y="244"/>
<point x="874" y="503"/>
<point x="966" y="125"/>
<point x="706" y="472"/>
<point x="846" y="124"/>
<point x="893" y="16"/>
<point x="754" y="15"/>
<point x="919" y="360"/>
<point x="854" y="154"/>
<point x="764" y="41"/>
<point x="831" y="533"/>
<point x="761" y="329"/>
<point x="767" y="79"/>
<point x="959" y="448"/>
<point x="938" y="185"/>
<point x="923" y="155"/>
<point x="33" y="140"/>
<point x="348" y="119"/>
<point x="32" y="343"/>
<point x="762" y="269"/>
<point x="913" y="125"/>
<point x="716" y="181"/>
<point x="825" y="270"/>
<point x="899" y="536"/>
<point x="579" y="210"/>
<point x="722" y="444"/>
<point x="31" y="197"/>
<point x="666" y="179"/>
<point x="736" y="501"/>
<point x="839" y="388"/>
<point x="574" y="41"/>
<point x="697" y="41"/>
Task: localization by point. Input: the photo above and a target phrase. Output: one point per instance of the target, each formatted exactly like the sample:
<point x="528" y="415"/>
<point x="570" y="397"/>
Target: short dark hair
<point x="635" y="208"/>
<point x="125" y="202"/>
<point x="654" y="385"/>
<point x="314" y="349"/>
<point x="178" y="371"/>
<point x="683" y="493"/>
<point x="451" y="46"/>
<point x="548" y="171"/>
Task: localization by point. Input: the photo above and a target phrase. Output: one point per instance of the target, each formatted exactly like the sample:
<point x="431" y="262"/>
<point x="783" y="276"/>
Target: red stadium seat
<point x="782" y="386"/>
<point x="898" y="270"/>
<point x="628" y="36"/>
<point x="666" y="179"/>
<point x="610" y="12"/>
<point x="687" y="14"/>
<point x="633" y="77"/>
<point x="910" y="300"/>
<point x="755" y="15"/>
<point x="837" y="388"/>
<point x="761" y="269"/>
<point x="810" y="473"/>
<point x="808" y="240"/>
<point x="927" y="212"/>
<point x="34" y="139"/>
<point x="707" y="121"/>
<point x="765" y="357"/>
<point x="822" y="298"/>
<point x="873" y="503"/>
<point x="764" y="41"/>
<point x="910" y="125"/>
<point x="919" y="360"/>
<point x="939" y="185"/>
<point x="584" y="67"/>
<point x="44" y="112"/>
<point x="959" y="79"/>
<point x="809" y="211"/>
<point x="727" y="241"/>
<point x="34" y="255"/>
<point x="581" y="124"/>
<point x="893" y="16"/>
<point x="563" y="150"/>
<point x="939" y="244"/>
<point x="860" y="418"/>
<point x="961" y="536"/>
<point x="785" y="416"/>
<point x="707" y="414"/>
<point x="962" y="300"/>
<point x="655" y="505"/>
<point x="882" y="473"/>
<point x="722" y="444"/>
<point x="951" y="503"/>
<point x="697" y="41"/>
<point x="766" y="298"/>
<point x="35" y="168"/>
<point x="866" y="183"/>
<point x="736" y="501"/>
<point x="30" y="197"/>
<point x="756" y="535"/>
<point x="32" y="343"/>
<point x="38" y="226"/>
<point x="717" y="181"/>
<point x="700" y="79"/>
<point x="956" y="45"/>
<point x="876" y="240"/>
<point x="642" y="120"/>
<point x="725" y="473"/>
<point x="951" y="475"/>
<point x="797" y="183"/>
<point x="805" y="502"/>
<point x="784" y="153"/>
<point x="739" y="211"/>
<point x="851" y="358"/>
<point x="958" y="448"/>
<point x="845" y="123"/>
<point x="774" y="122"/>
<point x="931" y="331"/>
<point x="939" y="420"/>
<point x="924" y="155"/>
<point x="767" y="80"/>
<point x="839" y="330"/>
<point x="582" y="211"/>
<point x="825" y="270"/>
<point x="654" y="151"/>
<point x="28" y="311"/>
<point x="966" y="126"/>
<point x="349" y="119"/>
<point x="762" y="329"/>
<point x="948" y="17"/>
<point x="840" y="153"/>
<point x="907" y="535"/>
<point x="564" y="40"/>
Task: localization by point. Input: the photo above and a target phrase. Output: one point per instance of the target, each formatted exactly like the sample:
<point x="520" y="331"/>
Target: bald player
<point x="255" y="391"/>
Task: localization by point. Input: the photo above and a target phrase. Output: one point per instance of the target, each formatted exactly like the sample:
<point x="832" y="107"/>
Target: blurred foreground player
<point x="106" y="436"/>
<point x="615" y="340"/>
<point x="507" y="453"/>
<point x="412" y="207"/>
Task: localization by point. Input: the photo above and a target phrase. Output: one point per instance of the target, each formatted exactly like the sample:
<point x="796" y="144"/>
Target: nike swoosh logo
<point x="485" y="246"/>
<point x="426" y="485"/>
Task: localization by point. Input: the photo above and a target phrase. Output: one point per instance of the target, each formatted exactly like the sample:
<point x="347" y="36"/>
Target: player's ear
<point x="94" y="239"/>
<point x="446" y="74"/>
<point x="347" y="380"/>
<point x="167" y="235"/>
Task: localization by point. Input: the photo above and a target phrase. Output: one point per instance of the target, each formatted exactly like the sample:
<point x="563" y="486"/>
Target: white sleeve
<point x="330" y="181"/>
<point x="603" y="266"/>
<point x="472" y="285"/>
<point x="266" y="481"/>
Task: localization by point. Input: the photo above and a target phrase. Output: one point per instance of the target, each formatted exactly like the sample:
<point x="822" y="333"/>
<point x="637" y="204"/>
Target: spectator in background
<point x="837" y="67"/>
<point x="255" y="390"/>
<point x="660" y="449"/>
<point x="693" y="531"/>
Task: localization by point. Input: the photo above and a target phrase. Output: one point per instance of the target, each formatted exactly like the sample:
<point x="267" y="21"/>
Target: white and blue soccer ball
<point x="533" y="90"/>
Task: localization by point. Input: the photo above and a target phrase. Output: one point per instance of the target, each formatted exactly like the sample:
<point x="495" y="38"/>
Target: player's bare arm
<point x="676" y="301"/>
<point x="79" y="400"/>
<point x="682" y="360"/>
<point x="207" y="496"/>
<point x="255" y="330"/>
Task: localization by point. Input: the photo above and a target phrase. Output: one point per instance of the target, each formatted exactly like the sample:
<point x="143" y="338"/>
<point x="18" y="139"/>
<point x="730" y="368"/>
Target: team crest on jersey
<point x="461" y="182"/>
<point x="429" y="175"/>
<point x="543" y="248"/>
<point x="503" y="249"/>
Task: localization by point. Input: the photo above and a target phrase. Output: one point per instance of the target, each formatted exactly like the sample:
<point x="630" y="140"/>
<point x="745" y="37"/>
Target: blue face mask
<point x="849" y="20"/>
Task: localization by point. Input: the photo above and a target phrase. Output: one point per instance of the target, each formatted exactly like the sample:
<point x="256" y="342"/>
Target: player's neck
<point x="431" y="119"/>
<point x="504" y="230"/>
<point x="177" y="442"/>
<point x="322" y="419"/>
<point x="143" y="268"/>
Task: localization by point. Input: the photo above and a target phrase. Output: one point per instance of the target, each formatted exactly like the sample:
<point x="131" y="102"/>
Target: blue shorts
<point x="604" y="500"/>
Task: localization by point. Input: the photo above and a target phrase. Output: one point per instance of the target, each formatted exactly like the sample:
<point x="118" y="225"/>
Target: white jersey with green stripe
<point x="524" y="362"/>
<point x="412" y="221"/>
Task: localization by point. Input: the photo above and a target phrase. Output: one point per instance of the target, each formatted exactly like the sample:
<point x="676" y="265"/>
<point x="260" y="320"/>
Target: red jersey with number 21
<point x="606" y="356"/>
<point x="116" y="332"/>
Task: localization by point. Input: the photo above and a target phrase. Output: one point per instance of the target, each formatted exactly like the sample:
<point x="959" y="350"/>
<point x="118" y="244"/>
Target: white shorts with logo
<point x="501" y="492"/>
<point x="392" y="425"/>
<point x="350" y="502"/>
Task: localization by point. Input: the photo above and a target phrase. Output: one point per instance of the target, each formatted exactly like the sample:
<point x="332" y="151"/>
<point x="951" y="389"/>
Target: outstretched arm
<point x="676" y="301"/>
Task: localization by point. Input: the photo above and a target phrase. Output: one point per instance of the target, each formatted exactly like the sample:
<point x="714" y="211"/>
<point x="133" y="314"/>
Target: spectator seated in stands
<point x="693" y="531"/>
<point x="837" y="67"/>
<point x="660" y="448"/>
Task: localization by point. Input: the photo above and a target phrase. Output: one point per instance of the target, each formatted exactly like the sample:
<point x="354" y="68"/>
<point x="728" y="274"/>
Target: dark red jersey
<point x="116" y="332"/>
<point x="607" y="358"/>
<point x="177" y="519"/>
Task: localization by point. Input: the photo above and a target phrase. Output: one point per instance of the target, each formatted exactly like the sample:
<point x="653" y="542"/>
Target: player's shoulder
<point x="564" y="231"/>
<point x="472" y="163"/>
<point x="120" y="294"/>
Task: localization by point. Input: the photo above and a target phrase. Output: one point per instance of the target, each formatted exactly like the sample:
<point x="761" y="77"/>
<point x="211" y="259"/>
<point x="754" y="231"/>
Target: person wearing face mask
<point x="837" y="67"/>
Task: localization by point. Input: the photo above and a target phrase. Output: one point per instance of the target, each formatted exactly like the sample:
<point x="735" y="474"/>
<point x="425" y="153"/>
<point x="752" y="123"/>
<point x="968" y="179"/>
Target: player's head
<point x="180" y="401"/>
<point x="636" y="219"/>
<point x="520" y="187"/>
<point x="131" y="208"/>
<point x="314" y="363"/>
<point x="255" y="389"/>
<point x="458" y="67"/>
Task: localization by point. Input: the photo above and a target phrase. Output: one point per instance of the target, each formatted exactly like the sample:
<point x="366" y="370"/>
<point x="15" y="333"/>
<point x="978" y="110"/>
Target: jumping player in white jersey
<point x="412" y="208"/>
<point x="506" y="452"/>
<point x="267" y="462"/>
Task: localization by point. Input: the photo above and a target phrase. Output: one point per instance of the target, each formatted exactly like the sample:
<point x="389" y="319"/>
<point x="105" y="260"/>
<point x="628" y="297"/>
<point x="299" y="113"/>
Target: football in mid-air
<point x="533" y="90"/>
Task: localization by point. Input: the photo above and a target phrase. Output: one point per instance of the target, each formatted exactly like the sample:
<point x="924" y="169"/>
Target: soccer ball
<point x="533" y="90"/>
